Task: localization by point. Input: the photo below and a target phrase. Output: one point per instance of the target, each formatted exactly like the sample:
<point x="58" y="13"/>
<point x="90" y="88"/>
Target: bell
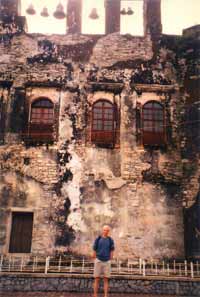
<point x="130" y="11"/>
<point x="30" y="10"/>
<point x="44" y="12"/>
<point x="123" y="11"/>
<point x="93" y="14"/>
<point x="59" y="13"/>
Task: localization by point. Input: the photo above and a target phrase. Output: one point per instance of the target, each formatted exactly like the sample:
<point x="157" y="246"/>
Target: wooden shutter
<point x="2" y="121"/>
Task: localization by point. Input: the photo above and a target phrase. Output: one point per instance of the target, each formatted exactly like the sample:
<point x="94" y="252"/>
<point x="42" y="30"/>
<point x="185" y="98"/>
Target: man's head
<point x="105" y="230"/>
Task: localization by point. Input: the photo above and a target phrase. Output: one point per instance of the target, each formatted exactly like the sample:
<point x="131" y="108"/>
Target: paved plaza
<point x="55" y="294"/>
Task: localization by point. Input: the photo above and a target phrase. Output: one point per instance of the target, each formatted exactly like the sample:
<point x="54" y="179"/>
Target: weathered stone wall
<point x="73" y="186"/>
<point x="76" y="283"/>
<point x="22" y="194"/>
<point x="123" y="48"/>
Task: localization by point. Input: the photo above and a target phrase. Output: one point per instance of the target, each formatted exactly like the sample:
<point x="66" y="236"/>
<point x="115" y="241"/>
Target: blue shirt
<point x="103" y="246"/>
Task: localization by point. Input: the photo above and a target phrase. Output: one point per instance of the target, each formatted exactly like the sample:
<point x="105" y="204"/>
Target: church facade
<point x="99" y="129"/>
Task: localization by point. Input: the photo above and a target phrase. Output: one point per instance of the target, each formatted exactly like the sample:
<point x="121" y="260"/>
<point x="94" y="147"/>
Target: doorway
<point x="21" y="232"/>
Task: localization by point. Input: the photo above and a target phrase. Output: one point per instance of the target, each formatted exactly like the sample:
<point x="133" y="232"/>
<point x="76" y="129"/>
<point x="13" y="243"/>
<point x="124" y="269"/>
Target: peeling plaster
<point x="115" y="183"/>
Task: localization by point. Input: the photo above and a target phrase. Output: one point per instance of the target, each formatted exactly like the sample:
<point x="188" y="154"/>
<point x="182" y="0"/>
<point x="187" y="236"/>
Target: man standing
<point x="103" y="252"/>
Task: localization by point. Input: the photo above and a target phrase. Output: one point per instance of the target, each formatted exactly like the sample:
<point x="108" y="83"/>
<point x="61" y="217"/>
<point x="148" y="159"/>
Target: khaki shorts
<point x="102" y="268"/>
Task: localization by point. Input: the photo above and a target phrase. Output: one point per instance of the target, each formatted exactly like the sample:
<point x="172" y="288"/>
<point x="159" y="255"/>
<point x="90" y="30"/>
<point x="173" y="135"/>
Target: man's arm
<point x="111" y="254"/>
<point x="94" y="254"/>
<point x="112" y="248"/>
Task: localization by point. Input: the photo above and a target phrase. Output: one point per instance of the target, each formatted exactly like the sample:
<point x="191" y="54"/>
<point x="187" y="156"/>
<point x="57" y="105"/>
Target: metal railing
<point x="130" y="267"/>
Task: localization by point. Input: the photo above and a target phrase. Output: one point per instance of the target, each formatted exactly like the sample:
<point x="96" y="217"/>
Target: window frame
<point x="108" y="137"/>
<point x="42" y="109"/>
<point x="152" y="137"/>
<point x="41" y="126"/>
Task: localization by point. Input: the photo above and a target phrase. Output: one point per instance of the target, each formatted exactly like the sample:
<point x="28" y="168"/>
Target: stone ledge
<point x="116" y="87"/>
<point x="155" y="88"/>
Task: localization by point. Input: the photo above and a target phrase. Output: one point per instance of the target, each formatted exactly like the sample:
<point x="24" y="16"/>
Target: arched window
<point x="153" y="123"/>
<point x="103" y="123"/>
<point x="41" y="120"/>
<point x="42" y="112"/>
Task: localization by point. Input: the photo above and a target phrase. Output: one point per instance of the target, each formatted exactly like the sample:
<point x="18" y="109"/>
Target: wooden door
<point x="21" y="232"/>
<point x="192" y="230"/>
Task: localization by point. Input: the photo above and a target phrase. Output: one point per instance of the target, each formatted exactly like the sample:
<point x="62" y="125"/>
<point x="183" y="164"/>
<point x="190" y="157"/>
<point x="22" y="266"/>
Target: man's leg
<point x="105" y="287"/>
<point x="107" y="271"/>
<point x="96" y="286"/>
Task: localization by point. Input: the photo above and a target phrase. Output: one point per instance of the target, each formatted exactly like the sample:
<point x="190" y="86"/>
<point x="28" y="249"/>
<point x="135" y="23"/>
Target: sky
<point x="176" y="15"/>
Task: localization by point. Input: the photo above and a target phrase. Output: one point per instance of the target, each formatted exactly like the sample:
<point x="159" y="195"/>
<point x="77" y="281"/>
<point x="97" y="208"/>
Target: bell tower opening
<point x="46" y="17"/>
<point x="131" y="20"/>
<point x="93" y="17"/>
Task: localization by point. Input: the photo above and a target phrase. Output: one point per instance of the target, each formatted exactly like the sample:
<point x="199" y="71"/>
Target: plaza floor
<point x="55" y="294"/>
